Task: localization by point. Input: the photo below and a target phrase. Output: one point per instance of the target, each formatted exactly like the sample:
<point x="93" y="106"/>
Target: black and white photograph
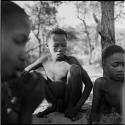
<point x="62" y="62"/>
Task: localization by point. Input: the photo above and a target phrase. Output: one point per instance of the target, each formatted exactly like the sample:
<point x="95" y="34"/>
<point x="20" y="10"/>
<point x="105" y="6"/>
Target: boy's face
<point x="14" y="38"/>
<point x="57" y="45"/>
<point x="114" y="66"/>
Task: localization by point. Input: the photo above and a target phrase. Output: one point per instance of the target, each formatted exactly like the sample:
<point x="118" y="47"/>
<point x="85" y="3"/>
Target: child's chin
<point x="60" y="57"/>
<point x="120" y="78"/>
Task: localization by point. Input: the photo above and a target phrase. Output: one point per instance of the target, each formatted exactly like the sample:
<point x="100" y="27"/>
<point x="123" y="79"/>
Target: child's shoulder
<point x="72" y="59"/>
<point x="100" y="82"/>
<point x="45" y="57"/>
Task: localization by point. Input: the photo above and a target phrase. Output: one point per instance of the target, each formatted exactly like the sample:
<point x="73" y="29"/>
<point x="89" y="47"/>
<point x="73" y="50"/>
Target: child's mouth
<point x="60" y="54"/>
<point x="120" y="75"/>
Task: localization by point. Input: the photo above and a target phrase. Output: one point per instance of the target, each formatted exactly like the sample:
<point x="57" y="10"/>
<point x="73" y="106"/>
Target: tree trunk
<point x="39" y="41"/>
<point x="43" y="41"/>
<point x="107" y="22"/>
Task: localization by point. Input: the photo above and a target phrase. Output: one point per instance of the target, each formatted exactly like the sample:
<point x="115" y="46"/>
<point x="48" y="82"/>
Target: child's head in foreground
<point x="15" y="32"/>
<point x="113" y="62"/>
<point x="57" y="43"/>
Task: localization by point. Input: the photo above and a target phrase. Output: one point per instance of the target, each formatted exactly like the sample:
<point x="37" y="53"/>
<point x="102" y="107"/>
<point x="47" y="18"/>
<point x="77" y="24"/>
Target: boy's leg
<point x="49" y="97"/>
<point x="74" y="87"/>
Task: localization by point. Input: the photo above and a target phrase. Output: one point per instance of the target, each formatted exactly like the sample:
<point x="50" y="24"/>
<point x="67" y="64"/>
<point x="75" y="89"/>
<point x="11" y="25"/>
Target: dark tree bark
<point x="107" y="23"/>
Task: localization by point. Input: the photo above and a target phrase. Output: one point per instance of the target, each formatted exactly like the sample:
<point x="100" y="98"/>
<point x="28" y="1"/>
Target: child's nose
<point x="60" y="49"/>
<point x="120" y="68"/>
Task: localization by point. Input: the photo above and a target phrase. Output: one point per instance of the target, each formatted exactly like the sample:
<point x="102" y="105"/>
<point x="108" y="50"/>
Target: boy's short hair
<point x="8" y="9"/>
<point x="110" y="50"/>
<point x="57" y="31"/>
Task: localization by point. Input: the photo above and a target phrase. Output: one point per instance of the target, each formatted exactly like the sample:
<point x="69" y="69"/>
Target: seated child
<point x="15" y="30"/>
<point x="108" y="90"/>
<point x="63" y="86"/>
<point x="24" y="96"/>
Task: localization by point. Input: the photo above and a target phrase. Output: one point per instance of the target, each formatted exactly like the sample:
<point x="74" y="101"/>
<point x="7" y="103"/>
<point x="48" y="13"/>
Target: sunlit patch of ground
<point x="58" y="118"/>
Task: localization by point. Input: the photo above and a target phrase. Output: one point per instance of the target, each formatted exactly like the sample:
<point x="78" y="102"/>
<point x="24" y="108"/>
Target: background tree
<point x="119" y="10"/>
<point x="87" y="46"/>
<point x="82" y="16"/>
<point x="107" y="23"/>
<point x="43" y="16"/>
<point x="84" y="11"/>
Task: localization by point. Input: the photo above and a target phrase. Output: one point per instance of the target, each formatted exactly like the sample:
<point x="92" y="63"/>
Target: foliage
<point x="44" y="17"/>
<point x="119" y="10"/>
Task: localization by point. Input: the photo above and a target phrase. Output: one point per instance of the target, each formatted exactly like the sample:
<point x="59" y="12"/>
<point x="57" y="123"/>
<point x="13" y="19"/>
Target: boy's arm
<point x="88" y="87"/>
<point x="30" y="95"/>
<point x="38" y="63"/>
<point x="97" y="95"/>
<point x="88" y="84"/>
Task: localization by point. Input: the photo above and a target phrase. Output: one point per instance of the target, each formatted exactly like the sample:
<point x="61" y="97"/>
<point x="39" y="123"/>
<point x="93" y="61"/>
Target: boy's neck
<point x="59" y="59"/>
<point x="113" y="81"/>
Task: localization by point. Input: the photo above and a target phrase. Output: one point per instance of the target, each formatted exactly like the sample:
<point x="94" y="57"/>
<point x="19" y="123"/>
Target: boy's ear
<point x="47" y="48"/>
<point x="46" y="45"/>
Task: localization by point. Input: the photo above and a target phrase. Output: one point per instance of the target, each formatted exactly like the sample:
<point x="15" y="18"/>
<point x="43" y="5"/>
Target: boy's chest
<point x="113" y="95"/>
<point x="56" y="71"/>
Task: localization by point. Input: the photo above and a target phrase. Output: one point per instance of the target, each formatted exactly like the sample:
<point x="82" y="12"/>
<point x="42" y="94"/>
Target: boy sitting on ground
<point x="15" y="30"/>
<point x="63" y="86"/>
<point x="108" y="90"/>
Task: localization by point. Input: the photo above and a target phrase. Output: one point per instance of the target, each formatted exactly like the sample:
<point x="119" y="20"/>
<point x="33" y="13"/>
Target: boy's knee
<point x="75" y="70"/>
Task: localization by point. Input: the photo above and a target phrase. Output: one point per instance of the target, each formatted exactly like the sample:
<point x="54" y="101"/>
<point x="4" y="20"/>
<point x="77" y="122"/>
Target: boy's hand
<point x="28" y="88"/>
<point x="32" y="87"/>
<point x="71" y="113"/>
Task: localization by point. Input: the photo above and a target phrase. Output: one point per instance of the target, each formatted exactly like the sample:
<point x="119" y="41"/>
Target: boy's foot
<point x="77" y="117"/>
<point x="40" y="114"/>
<point x="47" y="111"/>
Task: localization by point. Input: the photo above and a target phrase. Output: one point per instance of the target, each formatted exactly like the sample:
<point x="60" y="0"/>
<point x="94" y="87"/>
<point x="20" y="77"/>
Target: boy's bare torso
<point x="56" y="72"/>
<point x="113" y="93"/>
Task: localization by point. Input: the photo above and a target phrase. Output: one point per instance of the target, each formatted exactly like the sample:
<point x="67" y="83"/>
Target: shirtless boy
<point x="65" y="75"/>
<point x="15" y="30"/>
<point x="108" y="90"/>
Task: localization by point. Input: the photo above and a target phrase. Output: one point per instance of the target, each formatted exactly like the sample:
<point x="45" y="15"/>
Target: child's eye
<point x="56" y="46"/>
<point x="115" y="64"/>
<point x="61" y="45"/>
<point x="123" y="64"/>
<point x="64" y="45"/>
<point x="21" y="42"/>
